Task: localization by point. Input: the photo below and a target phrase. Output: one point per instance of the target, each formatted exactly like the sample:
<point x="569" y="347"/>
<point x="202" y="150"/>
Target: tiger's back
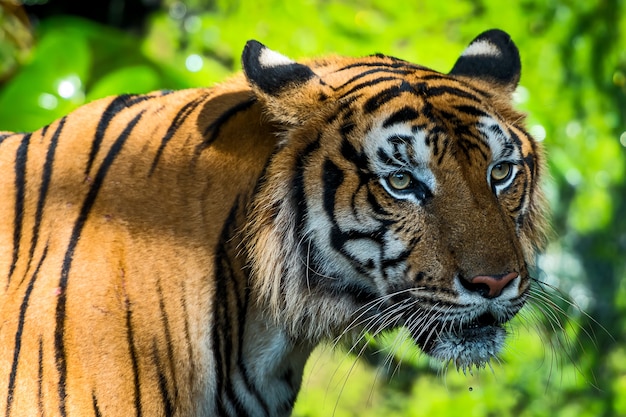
<point x="105" y="263"/>
<point x="181" y="253"/>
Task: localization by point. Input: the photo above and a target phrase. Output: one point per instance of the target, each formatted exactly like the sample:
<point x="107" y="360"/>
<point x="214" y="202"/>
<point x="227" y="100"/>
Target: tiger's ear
<point x="285" y="86"/>
<point x="491" y="57"/>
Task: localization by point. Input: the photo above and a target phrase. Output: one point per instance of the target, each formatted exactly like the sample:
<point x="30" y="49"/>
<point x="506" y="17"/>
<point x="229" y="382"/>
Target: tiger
<point x="181" y="253"/>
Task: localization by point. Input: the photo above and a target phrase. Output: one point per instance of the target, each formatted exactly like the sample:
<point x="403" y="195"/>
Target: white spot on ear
<point x="271" y="58"/>
<point x="482" y="48"/>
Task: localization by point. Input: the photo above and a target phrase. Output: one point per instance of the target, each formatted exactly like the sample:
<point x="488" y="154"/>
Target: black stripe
<point x="394" y="73"/>
<point x="387" y="159"/>
<point x="117" y="105"/>
<point x="188" y="343"/>
<point x="432" y="76"/>
<point x="405" y="114"/>
<point x="472" y="110"/>
<point x="96" y="408"/>
<point x="20" y="188"/>
<point x="376" y="207"/>
<point x="130" y="340"/>
<point x="6" y="135"/>
<point x="441" y="143"/>
<point x="533" y="163"/>
<point x="162" y="381"/>
<point x="332" y="178"/>
<point x="245" y="290"/>
<point x="443" y="90"/>
<point x="43" y="190"/>
<point x="360" y="294"/>
<point x="169" y="345"/>
<point x="215" y="127"/>
<point x="59" y="344"/>
<point x="384" y="96"/>
<point x="480" y="91"/>
<point x="515" y="138"/>
<point x="231" y="284"/>
<point x="366" y="84"/>
<point x="403" y="149"/>
<point x="432" y="138"/>
<point x="359" y="159"/>
<point x="495" y="129"/>
<point x="340" y="290"/>
<point x="223" y="327"/>
<point x="344" y="110"/>
<point x="299" y="196"/>
<point x="445" y="79"/>
<point x="18" y="333"/>
<point x="453" y="120"/>
<point x="338" y="238"/>
<point x="40" y="377"/>
<point x="529" y="160"/>
<point x="346" y="128"/>
<point x="177" y="122"/>
<point x="466" y="142"/>
<point x="403" y="256"/>
<point x="408" y="67"/>
<point x="522" y="200"/>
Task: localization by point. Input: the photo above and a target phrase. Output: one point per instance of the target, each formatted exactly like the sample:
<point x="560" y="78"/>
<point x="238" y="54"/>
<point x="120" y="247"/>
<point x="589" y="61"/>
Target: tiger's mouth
<point x="466" y="344"/>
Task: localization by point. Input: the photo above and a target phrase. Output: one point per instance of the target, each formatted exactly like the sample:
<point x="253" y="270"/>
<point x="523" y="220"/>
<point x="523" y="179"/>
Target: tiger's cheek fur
<point x="359" y="232"/>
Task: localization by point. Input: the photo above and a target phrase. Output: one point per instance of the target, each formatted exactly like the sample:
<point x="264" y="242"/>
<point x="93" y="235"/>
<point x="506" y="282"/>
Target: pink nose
<point x="495" y="283"/>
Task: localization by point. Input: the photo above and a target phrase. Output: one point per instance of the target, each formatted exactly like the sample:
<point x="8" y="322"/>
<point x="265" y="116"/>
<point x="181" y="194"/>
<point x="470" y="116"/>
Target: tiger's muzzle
<point x="470" y="333"/>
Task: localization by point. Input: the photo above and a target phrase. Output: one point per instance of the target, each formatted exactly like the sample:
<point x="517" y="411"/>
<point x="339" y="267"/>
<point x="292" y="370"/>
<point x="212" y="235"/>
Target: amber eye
<point x="501" y="171"/>
<point x="400" y="180"/>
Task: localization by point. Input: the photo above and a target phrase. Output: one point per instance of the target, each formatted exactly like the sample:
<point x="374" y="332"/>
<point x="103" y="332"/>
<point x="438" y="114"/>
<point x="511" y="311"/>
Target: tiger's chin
<point x="468" y="346"/>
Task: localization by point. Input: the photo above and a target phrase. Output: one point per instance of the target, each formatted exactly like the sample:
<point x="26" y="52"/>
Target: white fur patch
<point x="269" y="59"/>
<point x="498" y="140"/>
<point x="469" y="348"/>
<point x="393" y="246"/>
<point x="502" y="148"/>
<point x="364" y="250"/>
<point x="482" y="48"/>
<point x="415" y="154"/>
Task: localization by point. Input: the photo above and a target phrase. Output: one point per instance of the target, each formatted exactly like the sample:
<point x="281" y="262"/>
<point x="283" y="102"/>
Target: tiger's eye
<point x="400" y="180"/>
<point x="501" y="171"/>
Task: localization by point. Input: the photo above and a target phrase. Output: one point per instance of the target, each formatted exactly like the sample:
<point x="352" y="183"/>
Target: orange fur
<point x="173" y="263"/>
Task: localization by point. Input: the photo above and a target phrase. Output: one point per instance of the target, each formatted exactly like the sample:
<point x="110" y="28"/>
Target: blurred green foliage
<point x="573" y="87"/>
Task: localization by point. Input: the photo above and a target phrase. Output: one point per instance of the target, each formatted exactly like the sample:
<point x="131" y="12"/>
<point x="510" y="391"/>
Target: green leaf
<point x="136" y="79"/>
<point x="51" y="85"/>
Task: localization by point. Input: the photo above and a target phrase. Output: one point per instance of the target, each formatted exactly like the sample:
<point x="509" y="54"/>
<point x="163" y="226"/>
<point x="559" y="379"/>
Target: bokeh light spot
<point x="194" y="63"/>
<point x="47" y="101"/>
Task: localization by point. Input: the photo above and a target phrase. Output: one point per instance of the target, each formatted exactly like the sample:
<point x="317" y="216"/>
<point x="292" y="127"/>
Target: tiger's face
<point x="423" y="212"/>
<point x="399" y="197"/>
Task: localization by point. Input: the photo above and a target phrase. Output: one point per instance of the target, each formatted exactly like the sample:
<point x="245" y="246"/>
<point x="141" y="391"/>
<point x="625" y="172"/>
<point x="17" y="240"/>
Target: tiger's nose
<point x="491" y="286"/>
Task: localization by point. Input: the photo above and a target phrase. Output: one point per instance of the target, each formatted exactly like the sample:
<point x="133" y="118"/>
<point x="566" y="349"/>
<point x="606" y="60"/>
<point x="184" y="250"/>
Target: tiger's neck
<point x="273" y="364"/>
<point x="260" y="365"/>
<point x="261" y="368"/>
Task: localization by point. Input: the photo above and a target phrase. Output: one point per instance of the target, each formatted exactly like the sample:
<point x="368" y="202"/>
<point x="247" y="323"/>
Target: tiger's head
<point x="397" y="196"/>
